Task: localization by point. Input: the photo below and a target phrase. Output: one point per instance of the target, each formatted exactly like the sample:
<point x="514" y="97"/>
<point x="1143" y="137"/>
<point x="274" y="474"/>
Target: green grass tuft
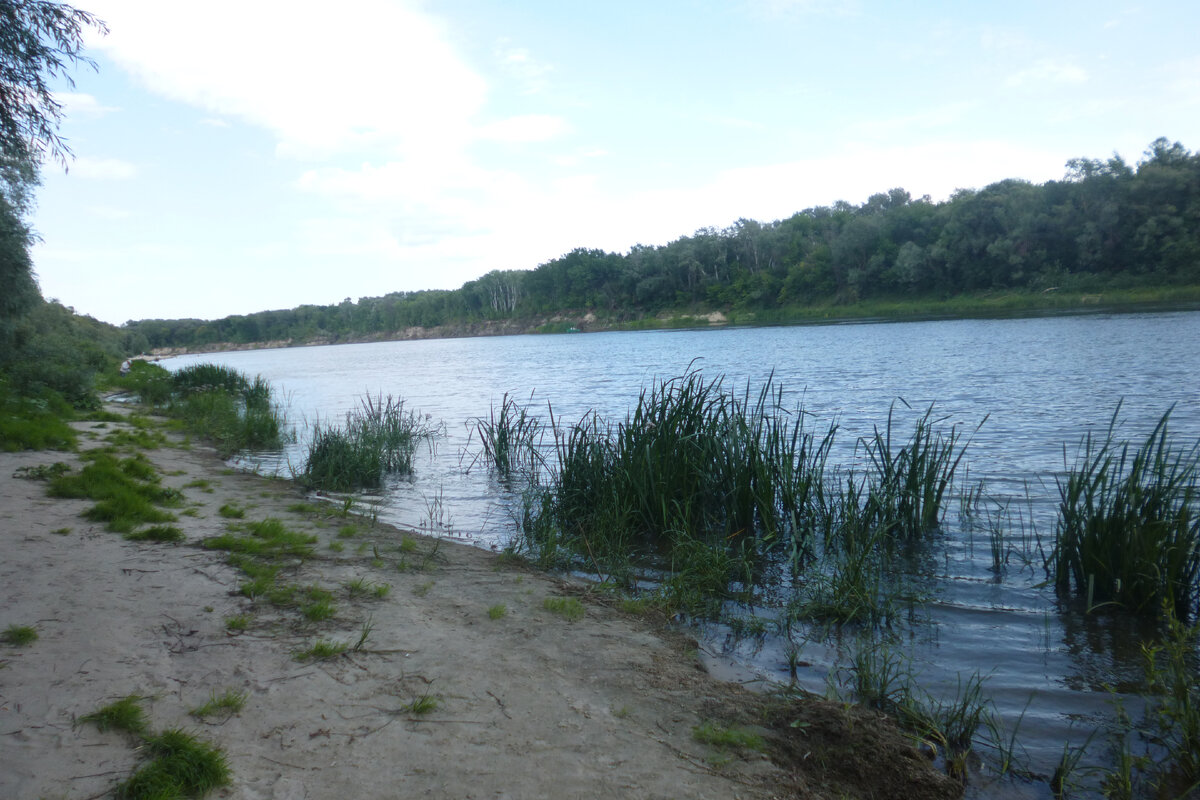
<point x="566" y="607"/>
<point x="180" y="766"/>
<point x="226" y="704"/>
<point x="19" y="635"/>
<point x="124" y="715"/>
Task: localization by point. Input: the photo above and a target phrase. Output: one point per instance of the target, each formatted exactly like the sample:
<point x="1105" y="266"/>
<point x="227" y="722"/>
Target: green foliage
<point x="711" y="733"/>
<point x="19" y="635"/>
<point x="497" y="611"/>
<point x="157" y="533"/>
<point x="1128" y="528"/>
<point x="322" y="650"/>
<point x="268" y="537"/>
<point x="510" y="438"/>
<point x="124" y="715"/>
<point x="181" y="766"/>
<point x="126" y="491"/>
<point x="379" y="438"/>
<point x="567" y="607"/>
<point x="216" y="402"/>
<point x="33" y="424"/>
<point x="226" y="704"/>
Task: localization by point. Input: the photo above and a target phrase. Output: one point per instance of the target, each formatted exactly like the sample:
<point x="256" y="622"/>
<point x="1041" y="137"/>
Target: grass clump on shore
<point x="1128" y="531"/>
<point x="126" y="491"/>
<point x="225" y="704"/>
<point x="125" y="714"/>
<point x="378" y="438"/>
<point x="219" y="403"/>
<point x="181" y="766"/>
<point x="566" y="607"/>
<point x="19" y="635"/>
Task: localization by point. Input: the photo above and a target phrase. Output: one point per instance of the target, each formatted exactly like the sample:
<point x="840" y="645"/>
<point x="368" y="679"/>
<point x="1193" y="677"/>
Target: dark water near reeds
<point x="1041" y="383"/>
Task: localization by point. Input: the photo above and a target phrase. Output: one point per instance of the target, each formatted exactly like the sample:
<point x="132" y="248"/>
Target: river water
<point x="1041" y="384"/>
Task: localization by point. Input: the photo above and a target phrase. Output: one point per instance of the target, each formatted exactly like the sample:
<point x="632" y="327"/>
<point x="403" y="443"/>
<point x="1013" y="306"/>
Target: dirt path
<point x="528" y="704"/>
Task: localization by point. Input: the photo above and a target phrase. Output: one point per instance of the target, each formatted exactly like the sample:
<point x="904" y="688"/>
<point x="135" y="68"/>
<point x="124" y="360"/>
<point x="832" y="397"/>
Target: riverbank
<point x="463" y="674"/>
<point x="1006" y="304"/>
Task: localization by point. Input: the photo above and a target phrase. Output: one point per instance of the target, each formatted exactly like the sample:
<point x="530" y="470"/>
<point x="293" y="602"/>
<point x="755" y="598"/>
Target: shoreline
<point x="603" y="705"/>
<point x="1006" y="306"/>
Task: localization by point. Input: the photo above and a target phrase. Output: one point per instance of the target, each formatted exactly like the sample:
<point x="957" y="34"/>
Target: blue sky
<point x="239" y="156"/>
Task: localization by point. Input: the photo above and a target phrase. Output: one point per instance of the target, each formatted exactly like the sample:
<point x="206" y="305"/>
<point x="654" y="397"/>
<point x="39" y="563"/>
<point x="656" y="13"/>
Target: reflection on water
<point x="1041" y="383"/>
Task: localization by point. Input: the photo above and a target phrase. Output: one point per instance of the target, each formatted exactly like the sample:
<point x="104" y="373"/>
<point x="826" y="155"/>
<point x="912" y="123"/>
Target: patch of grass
<point x="422" y="589"/>
<point x="43" y="472"/>
<point x="124" y="715"/>
<point x="19" y="635"/>
<point x="231" y="511"/>
<point x="318" y="610"/>
<point x="347" y="532"/>
<point x="321" y="650"/>
<point x="408" y="544"/>
<point x="126" y="491"/>
<point x="32" y="424"/>
<point x="381" y="590"/>
<point x="157" y="533"/>
<point x="497" y="611"/>
<point x="181" y="766"/>
<point x="337" y="547"/>
<point x="304" y="508"/>
<point x="238" y="622"/>
<point x="267" y="537"/>
<point x="567" y="607"/>
<point x="716" y="735"/>
<point x="425" y="704"/>
<point x="226" y="704"/>
<point x="62" y="531"/>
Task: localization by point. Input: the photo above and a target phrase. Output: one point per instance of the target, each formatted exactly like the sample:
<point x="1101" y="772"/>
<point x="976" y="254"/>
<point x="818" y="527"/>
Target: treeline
<point x="1105" y="225"/>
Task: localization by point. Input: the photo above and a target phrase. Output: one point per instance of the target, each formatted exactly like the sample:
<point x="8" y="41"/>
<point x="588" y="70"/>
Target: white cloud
<point x="372" y="71"/>
<point x="77" y="104"/>
<point x="112" y="169"/>
<point x="213" y="122"/>
<point x="519" y="63"/>
<point x="1048" y="71"/>
<point x="524" y="128"/>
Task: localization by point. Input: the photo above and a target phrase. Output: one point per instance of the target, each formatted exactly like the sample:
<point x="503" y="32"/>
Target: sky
<point x="243" y="155"/>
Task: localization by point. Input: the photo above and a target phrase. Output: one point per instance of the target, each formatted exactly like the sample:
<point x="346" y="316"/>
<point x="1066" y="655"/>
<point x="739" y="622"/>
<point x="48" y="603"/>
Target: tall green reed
<point x="378" y="438"/>
<point x="510" y="436"/>
<point x="1128" y="530"/>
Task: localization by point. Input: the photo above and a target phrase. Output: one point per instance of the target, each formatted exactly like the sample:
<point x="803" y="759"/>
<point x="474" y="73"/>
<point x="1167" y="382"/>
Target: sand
<point x="529" y="705"/>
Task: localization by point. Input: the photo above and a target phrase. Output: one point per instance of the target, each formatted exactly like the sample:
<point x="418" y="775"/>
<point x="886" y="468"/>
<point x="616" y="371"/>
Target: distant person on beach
<point x="125" y="365"/>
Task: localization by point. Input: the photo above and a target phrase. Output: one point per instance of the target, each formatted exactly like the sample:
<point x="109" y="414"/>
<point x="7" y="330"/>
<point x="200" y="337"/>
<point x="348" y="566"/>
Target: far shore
<point x="1006" y="305"/>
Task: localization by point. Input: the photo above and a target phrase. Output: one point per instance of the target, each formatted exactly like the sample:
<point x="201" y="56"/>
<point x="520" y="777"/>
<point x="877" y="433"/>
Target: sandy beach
<point x="521" y="702"/>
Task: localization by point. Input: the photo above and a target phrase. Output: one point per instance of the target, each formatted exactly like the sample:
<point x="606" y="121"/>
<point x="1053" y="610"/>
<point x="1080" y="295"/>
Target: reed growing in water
<point x="695" y="475"/>
<point x="1128" y="531"/>
<point x="379" y="438"/>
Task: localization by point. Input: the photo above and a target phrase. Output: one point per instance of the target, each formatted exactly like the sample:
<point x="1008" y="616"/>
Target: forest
<point x="1106" y="225"/>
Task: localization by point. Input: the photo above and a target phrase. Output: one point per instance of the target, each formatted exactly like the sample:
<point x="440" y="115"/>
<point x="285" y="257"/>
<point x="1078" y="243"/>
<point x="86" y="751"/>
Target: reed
<point x="909" y="483"/>
<point x="510" y="437"/>
<point x="1128" y="529"/>
<point x="379" y="438"/>
<point x="695" y="477"/>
